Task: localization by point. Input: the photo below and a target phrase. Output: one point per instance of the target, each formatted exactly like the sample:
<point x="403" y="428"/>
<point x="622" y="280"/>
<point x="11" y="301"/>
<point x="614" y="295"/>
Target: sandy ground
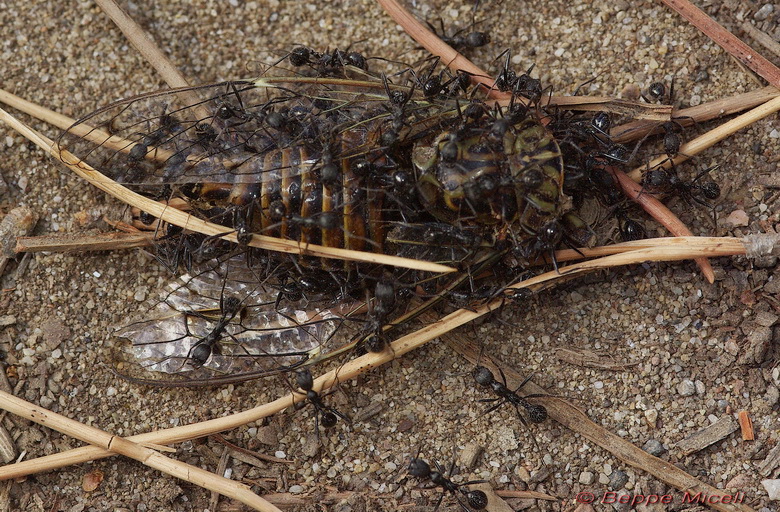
<point x="684" y="352"/>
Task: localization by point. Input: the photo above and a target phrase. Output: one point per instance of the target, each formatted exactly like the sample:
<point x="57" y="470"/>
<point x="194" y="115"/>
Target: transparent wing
<point x="225" y="324"/>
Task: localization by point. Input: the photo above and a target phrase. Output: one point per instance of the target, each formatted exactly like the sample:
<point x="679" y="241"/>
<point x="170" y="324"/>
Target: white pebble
<point x="686" y="388"/>
<point x="772" y="488"/>
<point x="598" y="384"/>
<point x="296" y="489"/>
<point x="279" y="454"/>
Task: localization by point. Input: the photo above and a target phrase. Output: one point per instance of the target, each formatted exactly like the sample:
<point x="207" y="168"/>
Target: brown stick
<point x="662" y="214"/>
<point x="717" y="109"/>
<point x="82" y="242"/>
<point x="143" y="42"/>
<point x="712" y="137"/>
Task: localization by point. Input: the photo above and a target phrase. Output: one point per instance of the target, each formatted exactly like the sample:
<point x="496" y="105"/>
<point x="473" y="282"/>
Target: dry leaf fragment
<point x="92" y="480"/>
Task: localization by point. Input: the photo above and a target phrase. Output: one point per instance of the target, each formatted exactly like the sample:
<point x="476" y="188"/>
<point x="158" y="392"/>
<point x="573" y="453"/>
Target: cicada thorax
<point x="502" y="176"/>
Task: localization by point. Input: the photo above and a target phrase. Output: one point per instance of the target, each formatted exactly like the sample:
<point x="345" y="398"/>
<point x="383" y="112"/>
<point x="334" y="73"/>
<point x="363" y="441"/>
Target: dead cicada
<point x="355" y="163"/>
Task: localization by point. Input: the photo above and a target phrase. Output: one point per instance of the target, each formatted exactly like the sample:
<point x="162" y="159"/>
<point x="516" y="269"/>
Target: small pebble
<point x="738" y="218"/>
<point x="296" y="489"/>
<point x="739" y="481"/>
<point x="764" y="12"/>
<point x="654" y="447"/>
<point x="652" y="416"/>
<point x="470" y="455"/>
<point x="617" y="480"/>
<point x="587" y="478"/>
<point x="772" y="488"/>
<point x="686" y="388"/>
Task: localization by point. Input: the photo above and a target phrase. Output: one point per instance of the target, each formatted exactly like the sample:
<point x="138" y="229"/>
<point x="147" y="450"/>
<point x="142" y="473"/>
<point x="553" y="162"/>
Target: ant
<point x="433" y="85"/>
<point x="666" y="181"/>
<point x="206" y="346"/>
<point x="324" y="414"/>
<point x="484" y="377"/>
<point x="458" y="42"/>
<point x="398" y="102"/>
<point x="327" y="64"/>
<point x="630" y="229"/>
<point x="477" y="500"/>
<point x="522" y="85"/>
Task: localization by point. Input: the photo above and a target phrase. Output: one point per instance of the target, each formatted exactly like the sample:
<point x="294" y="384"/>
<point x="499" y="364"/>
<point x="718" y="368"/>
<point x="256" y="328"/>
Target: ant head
<point x="483" y="376"/>
<point x="304" y="380"/>
<point x="419" y="468"/>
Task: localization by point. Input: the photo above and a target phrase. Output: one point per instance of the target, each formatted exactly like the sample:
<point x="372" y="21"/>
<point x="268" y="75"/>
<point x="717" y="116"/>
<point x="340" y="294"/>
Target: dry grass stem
<point x="83" y="242"/>
<point x="662" y="214"/>
<point x="145" y="45"/>
<point x="761" y="38"/>
<point x="64" y="123"/>
<point x="635" y="130"/>
<point x="135" y="451"/>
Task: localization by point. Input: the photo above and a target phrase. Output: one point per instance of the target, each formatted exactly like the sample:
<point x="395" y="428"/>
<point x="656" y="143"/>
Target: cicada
<point x="360" y="162"/>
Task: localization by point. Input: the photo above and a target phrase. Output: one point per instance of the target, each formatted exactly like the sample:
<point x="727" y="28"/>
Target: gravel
<point x="665" y="327"/>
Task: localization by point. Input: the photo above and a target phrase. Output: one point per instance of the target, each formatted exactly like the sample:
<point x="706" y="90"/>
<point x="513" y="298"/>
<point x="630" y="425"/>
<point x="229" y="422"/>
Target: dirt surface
<point x="683" y="352"/>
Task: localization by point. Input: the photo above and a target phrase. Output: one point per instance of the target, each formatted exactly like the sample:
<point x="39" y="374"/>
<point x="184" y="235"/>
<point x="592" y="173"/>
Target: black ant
<point x="324" y="414"/>
<point x="630" y="229"/>
<point x="484" y="377"/>
<point x="458" y="42"/>
<point x="433" y="85"/>
<point x="398" y="102"/>
<point x="477" y="500"/>
<point x="666" y="181"/>
<point x="327" y="64"/>
<point x="522" y="85"/>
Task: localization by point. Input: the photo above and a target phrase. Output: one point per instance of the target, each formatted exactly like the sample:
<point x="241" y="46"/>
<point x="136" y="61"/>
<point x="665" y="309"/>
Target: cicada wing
<point x="212" y="327"/>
